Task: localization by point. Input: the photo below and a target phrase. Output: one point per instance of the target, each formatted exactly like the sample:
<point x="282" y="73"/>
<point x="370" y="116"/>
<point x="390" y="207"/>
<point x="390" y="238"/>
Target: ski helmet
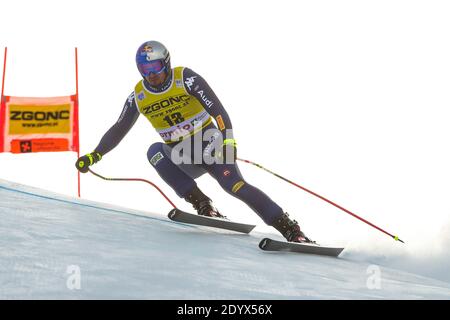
<point x="152" y="57"/>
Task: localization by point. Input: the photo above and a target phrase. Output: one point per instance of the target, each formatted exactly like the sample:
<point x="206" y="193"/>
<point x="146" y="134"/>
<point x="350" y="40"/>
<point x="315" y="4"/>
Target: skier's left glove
<point x="228" y="151"/>
<point x="87" y="160"/>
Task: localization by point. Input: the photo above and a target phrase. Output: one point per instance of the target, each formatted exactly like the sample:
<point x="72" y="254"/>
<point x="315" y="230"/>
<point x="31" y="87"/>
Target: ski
<point x="268" y="244"/>
<point x="182" y="216"/>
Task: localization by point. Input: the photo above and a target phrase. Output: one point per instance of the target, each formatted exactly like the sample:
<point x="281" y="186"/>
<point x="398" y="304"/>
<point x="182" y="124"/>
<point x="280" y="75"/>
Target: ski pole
<point x="396" y="238"/>
<point x="134" y="179"/>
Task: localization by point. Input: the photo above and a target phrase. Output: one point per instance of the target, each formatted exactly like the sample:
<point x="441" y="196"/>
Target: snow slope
<point x="123" y="253"/>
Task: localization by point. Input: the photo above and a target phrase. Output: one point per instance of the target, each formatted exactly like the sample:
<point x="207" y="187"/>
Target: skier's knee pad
<point x="156" y="153"/>
<point x="236" y="186"/>
<point x="232" y="186"/>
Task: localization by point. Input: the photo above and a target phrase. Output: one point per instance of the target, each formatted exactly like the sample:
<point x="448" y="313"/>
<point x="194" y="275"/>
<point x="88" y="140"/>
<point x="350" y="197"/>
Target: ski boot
<point x="202" y="204"/>
<point x="290" y="229"/>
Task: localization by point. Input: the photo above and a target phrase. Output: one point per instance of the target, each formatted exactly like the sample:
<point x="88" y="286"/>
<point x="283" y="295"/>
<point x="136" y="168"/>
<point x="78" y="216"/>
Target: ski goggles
<point x="148" y="67"/>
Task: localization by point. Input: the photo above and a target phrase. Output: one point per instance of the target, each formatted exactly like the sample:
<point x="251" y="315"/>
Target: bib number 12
<point x="174" y="118"/>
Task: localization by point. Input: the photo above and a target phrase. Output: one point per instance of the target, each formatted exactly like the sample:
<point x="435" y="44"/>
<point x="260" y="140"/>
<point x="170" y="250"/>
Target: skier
<point x="181" y="107"/>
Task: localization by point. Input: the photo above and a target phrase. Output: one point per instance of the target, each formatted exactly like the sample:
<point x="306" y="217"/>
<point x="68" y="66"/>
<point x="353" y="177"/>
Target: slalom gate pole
<point x="4" y="72"/>
<point x="134" y="179"/>
<point x="77" y="118"/>
<point x="396" y="238"/>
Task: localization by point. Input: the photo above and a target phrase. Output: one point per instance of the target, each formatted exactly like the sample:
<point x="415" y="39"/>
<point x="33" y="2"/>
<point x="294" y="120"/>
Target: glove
<point x="228" y="152"/>
<point x="87" y="160"/>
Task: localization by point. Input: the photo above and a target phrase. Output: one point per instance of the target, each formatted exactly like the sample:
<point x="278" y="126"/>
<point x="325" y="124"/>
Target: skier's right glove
<point x="87" y="160"/>
<point x="228" y="151"/>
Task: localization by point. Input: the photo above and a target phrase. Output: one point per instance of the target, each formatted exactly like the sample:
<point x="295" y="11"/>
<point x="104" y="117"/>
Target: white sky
<point x="348" y="98"/>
